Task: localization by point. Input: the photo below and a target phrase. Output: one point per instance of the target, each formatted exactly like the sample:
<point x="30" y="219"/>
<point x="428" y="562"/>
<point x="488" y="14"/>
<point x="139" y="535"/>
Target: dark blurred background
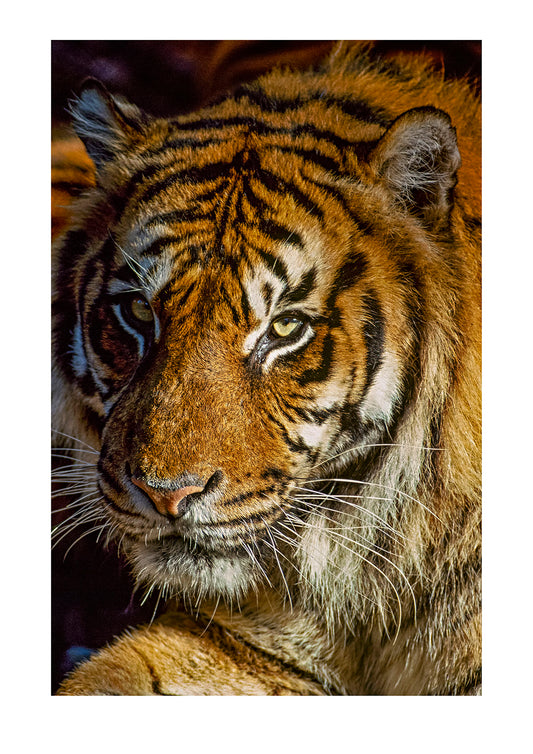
<point x="167" y="77"/>
<point x="92" y="597"/>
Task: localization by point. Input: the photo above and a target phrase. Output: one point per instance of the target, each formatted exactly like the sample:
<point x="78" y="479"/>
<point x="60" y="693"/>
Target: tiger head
<point x="239" y="316"/>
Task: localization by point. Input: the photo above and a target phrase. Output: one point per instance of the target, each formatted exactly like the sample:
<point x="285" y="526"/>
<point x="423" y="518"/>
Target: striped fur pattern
<point x="272" y="305"/>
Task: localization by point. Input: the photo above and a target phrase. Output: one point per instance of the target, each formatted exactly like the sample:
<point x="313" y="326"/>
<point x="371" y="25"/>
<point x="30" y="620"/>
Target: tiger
<point x="267" y="333"/>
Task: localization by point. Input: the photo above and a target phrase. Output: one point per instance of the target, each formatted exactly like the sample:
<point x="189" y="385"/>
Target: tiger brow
<point x="301" y="290"/>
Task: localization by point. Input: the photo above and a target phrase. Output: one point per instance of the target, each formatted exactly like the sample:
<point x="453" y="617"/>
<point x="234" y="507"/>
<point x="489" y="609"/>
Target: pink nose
<point x="166" y="501"/>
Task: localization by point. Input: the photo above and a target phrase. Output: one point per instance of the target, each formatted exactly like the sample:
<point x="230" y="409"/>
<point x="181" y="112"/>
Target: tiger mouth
<point x="212" y="536"/>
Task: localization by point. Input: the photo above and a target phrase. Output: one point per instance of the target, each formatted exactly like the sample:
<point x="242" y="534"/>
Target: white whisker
<point x="75" y="439"/>
<point x="383" y="486"/>
<point x="366" y="446"/>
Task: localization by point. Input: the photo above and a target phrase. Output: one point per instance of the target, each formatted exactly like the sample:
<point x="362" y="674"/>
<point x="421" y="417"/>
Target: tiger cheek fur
<point x="267" y="314"/>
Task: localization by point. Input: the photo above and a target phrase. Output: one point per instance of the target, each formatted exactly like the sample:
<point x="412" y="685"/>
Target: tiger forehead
<point x="292" y="277"/>
<point x="253" y="286"/>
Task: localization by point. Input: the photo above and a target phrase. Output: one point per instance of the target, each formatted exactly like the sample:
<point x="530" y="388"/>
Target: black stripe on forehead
<point x="277" y="232"/>
<point x="243" y="166"/>
<point x="356" y="108"/>
<point x="272" y="262"/>
<point x="161" y="158"/>
<point x="302" y="290"/>
<point x="279" y="185"/>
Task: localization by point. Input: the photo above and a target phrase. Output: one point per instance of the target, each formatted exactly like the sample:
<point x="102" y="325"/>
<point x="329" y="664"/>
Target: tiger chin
<point x="266" y="328"/>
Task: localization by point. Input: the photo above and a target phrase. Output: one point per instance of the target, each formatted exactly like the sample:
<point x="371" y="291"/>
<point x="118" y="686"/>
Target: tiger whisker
<point x="358" y="513"/>
<point x="275" y="551"/>
<point x="87" y="507"/>
<point x="78" y="518"/>
<point x="342" y="499"/>
<point x="354" y="529"/>
<point x="144" y="277"/>
<point x="98" y="528"/>
<point x="379" y="570"/>
<point x="70" y="506"/>
<point x="79" y="461"/>
<point x="59" y="535"/>
<point x="294" y="544"/>
<point x="72" y="469"/>
<point x="75" y="439"/>
<point x="383" y="486"/>
<point x="73" y="489"/>
<point x="60" y="449"/>
<point x="366" y="446"/>
<point x="374" y="550"/>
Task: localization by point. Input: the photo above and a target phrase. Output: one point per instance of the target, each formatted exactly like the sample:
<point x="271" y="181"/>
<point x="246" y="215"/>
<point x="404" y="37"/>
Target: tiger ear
<point x="105" y="123"/>
<point x="417" y="160"/>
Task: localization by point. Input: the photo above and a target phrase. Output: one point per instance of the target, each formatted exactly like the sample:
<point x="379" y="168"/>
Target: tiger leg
<point x="175" y="657"/>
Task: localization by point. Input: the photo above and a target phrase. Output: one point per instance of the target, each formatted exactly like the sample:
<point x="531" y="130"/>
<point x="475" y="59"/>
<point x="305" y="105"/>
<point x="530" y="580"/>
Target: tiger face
<point x="243" y="319"/>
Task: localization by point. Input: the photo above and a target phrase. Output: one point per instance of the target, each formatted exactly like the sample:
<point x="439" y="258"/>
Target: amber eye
<point x="141" y="310"/>
<point x="285" y="327"/>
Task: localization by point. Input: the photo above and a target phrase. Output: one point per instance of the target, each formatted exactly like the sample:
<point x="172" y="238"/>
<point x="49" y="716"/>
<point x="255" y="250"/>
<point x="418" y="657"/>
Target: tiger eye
<point x="141" y="310"/>
<point x="286" y="326"/>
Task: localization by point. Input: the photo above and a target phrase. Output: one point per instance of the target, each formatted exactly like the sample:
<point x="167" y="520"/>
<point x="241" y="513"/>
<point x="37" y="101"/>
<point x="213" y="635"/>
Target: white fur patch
<point x="312" y="434"/>
<point x="277" y="352"/>
<point x="381" y="396"/>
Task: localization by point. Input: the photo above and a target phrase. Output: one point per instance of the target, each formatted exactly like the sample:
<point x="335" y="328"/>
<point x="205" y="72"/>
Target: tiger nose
<point x="167" y="502"/>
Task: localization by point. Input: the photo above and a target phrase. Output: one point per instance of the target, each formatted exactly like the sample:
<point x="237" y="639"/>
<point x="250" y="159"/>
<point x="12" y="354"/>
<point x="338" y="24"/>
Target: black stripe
<point x="162" y="244"/>
<point x="374" y="335"/>
<point x="277" y="232"/>
<point x="267" y="291"/>
<point x="193" y="213"/>
<point x="316" y="415"/>
<point x="222" y="221"/>
<point x="320" y="373"/>
<point x="351" y="272"/>
<point x="302" y="290"/>
<point x="355" y="108"/>
<point x="294" y="130"/>
<point x="296" y="446"/>
<point x="241" y="498"/>
<point x="329" y="164"/>
<point x="245" y="306"/>
<point x="189" y="253"/>
<point x="364" y="225"/>
<point x="104" y="255"/>
<point x="278" y="185"/>
<point x="157" y="688"/>
<point x="93" y="419"/>
<point x="107" y="477"/>
<point x="233" y="310"/>
<point x="271" y="228"/>
<point x="196" y="175"/>
<point x="64" y="307"/>
<point x="412" y="280"/>
<point x="273" y="473"/>
<point x="179" y="299"/>
<point x="273" y="263"/>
